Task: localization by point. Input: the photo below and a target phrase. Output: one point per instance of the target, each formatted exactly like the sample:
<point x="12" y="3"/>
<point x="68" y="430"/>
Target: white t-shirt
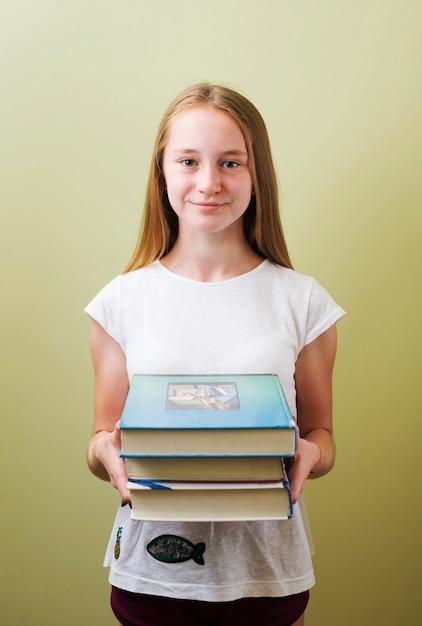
<point x="255" y="323"/>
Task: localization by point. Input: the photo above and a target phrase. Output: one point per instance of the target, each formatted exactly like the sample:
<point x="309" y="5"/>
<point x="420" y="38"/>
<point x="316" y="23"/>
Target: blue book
<point x="209" y="416"/>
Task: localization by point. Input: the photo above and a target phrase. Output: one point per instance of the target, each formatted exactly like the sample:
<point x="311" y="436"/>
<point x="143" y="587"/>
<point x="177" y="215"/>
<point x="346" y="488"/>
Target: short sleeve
<point x="105" y="309"/>
<point x="323" y="312"/>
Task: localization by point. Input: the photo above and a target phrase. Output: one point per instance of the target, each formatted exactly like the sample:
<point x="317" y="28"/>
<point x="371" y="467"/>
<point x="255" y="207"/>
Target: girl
<point x="210" y="289"/>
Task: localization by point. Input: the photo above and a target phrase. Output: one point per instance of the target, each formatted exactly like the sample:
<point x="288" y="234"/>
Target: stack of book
<point x="207" y="448"/>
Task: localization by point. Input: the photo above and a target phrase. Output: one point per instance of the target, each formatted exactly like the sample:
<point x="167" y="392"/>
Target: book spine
<point x="286" y="483"/>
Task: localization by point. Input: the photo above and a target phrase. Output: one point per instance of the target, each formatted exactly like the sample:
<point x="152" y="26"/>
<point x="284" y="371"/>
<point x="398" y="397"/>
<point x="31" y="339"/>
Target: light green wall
<point x="83" y="84"/>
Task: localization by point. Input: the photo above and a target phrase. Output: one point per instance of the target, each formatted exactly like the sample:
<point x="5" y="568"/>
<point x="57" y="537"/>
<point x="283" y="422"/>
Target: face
<point x="205" y="164"/>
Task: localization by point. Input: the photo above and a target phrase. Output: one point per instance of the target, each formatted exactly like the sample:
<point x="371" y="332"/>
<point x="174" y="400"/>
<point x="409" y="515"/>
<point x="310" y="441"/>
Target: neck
<point x="211" y="263"/>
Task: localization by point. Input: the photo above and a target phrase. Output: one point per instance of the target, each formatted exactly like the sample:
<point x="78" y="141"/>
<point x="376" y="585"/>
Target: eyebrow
<point x="234" y="152"/>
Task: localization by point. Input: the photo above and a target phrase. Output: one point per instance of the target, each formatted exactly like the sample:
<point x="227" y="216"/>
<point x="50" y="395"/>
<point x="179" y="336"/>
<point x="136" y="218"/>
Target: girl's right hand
<point x="106" y="448"/>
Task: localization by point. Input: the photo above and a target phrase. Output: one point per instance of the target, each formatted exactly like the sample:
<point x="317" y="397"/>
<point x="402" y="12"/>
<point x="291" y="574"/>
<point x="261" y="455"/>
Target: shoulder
<point x="295" y="281"/>
<point x="121" y="296"/>
<point x="126" y="283"/>
<point x="289" y="279"/>
<point x="123" y="289"/>
<point x="141" y="275"/>
<point x="312" y="307"/>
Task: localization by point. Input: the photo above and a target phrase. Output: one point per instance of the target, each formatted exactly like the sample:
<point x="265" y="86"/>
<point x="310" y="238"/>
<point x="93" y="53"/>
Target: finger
<point x="123" y="487"/>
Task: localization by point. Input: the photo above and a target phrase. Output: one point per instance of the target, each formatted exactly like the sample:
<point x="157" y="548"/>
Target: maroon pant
<point x="134" y="609"/>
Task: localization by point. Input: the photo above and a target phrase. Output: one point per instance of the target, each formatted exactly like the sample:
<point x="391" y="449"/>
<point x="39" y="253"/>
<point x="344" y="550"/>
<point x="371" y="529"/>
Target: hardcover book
<point x="213" y="469"/>
<point x="185" y="416"/>
<point x="219" y="502"/>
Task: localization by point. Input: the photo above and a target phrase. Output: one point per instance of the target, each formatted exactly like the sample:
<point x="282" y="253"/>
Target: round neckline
<point x="166" y="270"/>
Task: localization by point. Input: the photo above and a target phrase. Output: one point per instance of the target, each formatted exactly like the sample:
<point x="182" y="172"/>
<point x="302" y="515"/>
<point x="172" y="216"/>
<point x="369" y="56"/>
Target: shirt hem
<point x="212" y="593"/>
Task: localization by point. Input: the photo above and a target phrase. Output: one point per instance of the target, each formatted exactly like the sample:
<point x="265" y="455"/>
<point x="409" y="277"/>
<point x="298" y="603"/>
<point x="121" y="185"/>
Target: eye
<point x="188" y="162"/>
<point x="230" y="164"/>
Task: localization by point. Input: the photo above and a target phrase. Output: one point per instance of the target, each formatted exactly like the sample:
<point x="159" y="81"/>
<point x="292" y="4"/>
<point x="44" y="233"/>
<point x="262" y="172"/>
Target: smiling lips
<point x="208" y="206"/>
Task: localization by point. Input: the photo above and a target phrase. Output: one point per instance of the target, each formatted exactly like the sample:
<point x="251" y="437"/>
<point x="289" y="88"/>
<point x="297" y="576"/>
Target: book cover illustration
<point x="208" y="397"/>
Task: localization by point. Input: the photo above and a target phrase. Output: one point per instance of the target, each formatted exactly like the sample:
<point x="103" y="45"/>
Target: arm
<point x="111" y="387"/>
<point x="315" y="452"/>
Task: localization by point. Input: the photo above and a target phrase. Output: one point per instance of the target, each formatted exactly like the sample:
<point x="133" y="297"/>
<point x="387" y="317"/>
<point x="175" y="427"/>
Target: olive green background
<point x="83" y="85"/>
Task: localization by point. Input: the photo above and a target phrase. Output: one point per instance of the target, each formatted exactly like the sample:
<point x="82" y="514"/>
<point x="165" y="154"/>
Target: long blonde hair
<point x="262" y="224"/>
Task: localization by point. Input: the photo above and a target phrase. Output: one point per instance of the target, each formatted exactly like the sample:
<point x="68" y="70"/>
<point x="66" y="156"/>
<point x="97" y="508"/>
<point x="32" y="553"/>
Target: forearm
<point x="326" y="444"/>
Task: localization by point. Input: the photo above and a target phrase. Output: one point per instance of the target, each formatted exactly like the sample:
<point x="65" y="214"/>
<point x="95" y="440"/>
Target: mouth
<point x="208" y="206"/>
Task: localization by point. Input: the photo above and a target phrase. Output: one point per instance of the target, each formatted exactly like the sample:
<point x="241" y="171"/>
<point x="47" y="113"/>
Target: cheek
<point x="246" y="191"/>
<point x="176" y="193"/>
<point x="171" y="184"/>
<point x="175" y="183"/>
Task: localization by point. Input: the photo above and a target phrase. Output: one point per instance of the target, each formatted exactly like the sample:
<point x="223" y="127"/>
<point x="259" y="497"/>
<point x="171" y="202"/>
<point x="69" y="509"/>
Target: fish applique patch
<point x="174" y="549"/>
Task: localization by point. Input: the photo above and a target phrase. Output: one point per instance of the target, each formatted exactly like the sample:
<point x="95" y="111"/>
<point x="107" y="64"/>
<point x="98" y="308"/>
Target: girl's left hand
<point x="308" y="454"/>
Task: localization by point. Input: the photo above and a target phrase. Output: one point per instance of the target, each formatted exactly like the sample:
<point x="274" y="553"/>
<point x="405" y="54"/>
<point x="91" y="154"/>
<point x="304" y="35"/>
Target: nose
<point x="209" y="179"/>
